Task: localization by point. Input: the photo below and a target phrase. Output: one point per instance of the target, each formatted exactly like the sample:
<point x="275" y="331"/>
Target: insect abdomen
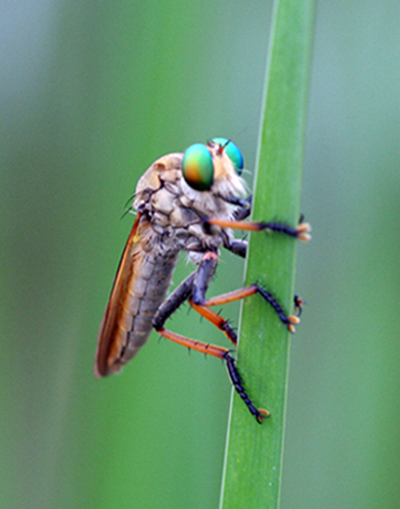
<point x="148" y="287"/>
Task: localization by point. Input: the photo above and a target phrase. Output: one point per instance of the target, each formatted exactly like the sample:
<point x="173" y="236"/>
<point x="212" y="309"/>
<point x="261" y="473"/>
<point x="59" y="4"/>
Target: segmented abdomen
<point x="147" y="289"/>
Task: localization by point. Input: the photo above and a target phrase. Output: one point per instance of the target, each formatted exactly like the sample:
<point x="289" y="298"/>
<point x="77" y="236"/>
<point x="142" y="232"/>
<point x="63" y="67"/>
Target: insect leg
<point x="217" y="320"/>
<point x="290" y="321"/>
<point x="298" y="305"/>
<point x="244" y="206"/>
<point x="205" y="273"/>
<point x="197" y="283"/>
<point x="194" y="286"/>
<point x="224" y="354"/>
<point x="301" y="232"/>
<point x="174" y="301"/>
<point x="200" y="304"/>
<point x="237" y="247"/>
<point x="243" y="213"/>
<point x="260" y="414"/>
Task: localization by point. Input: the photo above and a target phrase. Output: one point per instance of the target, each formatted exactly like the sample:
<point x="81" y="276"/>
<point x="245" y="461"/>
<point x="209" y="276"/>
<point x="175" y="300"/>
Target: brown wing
<point x="110" y="323"/>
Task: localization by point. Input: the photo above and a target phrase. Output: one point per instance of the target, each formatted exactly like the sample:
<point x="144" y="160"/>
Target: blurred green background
<point x="91" y="94"/>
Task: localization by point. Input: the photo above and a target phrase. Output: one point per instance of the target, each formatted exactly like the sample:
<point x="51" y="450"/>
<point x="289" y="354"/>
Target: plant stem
<point x="253" y="459"/>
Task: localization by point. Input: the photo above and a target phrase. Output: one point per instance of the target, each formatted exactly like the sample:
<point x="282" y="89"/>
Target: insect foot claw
<point x="292" y="321"/>
<point x="261" y="415"/>
<point x="304" y="232"/>
<point x="298" y="305"/>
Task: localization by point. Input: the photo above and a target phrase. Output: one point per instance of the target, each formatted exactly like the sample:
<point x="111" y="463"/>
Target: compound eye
<point x="197" y="167"/>
<point x="232" y="152"/>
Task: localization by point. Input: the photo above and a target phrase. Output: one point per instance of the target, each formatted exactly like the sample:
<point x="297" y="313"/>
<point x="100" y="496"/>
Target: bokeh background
<point x="91" y="94"/>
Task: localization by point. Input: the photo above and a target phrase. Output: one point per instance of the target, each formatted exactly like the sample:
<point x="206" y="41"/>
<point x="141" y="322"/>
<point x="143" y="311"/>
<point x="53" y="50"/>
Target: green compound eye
<point x="232" y="152"/>
<point x="197" y="167"/>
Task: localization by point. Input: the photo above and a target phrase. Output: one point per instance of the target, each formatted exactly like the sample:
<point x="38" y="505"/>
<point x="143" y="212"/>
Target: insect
<point x="189" y="202"/>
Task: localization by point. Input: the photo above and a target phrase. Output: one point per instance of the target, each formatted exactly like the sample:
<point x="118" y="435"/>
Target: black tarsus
<point x="268" y="297"/>
<point x="236" y="380"/>
<point x="279" y="228"/>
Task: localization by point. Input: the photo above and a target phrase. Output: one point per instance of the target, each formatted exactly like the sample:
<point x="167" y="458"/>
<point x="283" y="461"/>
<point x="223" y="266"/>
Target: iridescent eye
<point x="232" y="152"/>
<point x="197" y="167"/>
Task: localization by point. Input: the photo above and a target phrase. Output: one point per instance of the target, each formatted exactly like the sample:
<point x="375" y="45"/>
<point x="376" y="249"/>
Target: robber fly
<point x="189" y="202"/>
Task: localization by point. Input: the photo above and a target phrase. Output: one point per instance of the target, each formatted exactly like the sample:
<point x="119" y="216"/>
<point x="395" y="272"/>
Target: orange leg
<point x="290" y="321"/>
<point x="217" y="320"/>
<point x="194" y="289"/>
<point x="220" y="353"/>
<point x="198" y="346"/>
<point x="302" y="231"/>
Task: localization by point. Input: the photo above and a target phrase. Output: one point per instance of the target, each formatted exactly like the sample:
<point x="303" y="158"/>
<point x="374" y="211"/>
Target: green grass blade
<point x="253" y="460"/>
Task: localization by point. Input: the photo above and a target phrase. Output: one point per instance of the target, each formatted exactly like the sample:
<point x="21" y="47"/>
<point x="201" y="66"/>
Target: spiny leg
<point x="193" y="287"/>
<point x="205" y="273"/>
<point x="220" y="353"/>
<point x="290" y="321"/>
<point x="217" y="320"/>
<point x="239" y="248"/>
<point x="301" y="232"/>
<point x="199" y="303"/>
<point x="199" y="290"/>
<point x="196" y="285"/>
<point x="174" y="301"/>
<point x="260" y="414"/>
